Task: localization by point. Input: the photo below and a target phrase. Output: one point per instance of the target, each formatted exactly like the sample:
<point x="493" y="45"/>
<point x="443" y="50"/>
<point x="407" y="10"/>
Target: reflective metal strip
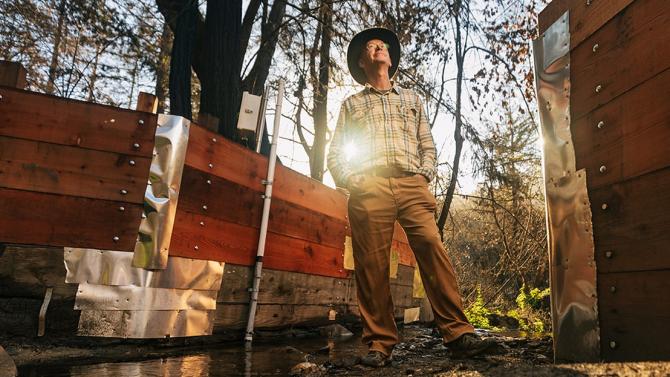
<point x="114" y="268"/>
<point x="146" y="324"/>
<point x="556" y="40"/>
<point x="162" y="192"/>
<point x="129" y="297"/>
<point x="572" y="266"/>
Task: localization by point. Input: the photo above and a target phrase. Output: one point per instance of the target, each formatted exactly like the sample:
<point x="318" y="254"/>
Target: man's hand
<point x="355" y="182"/>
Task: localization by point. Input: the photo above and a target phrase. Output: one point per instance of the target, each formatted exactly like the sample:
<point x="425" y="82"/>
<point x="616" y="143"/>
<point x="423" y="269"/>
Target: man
<point x="383" y="152"/>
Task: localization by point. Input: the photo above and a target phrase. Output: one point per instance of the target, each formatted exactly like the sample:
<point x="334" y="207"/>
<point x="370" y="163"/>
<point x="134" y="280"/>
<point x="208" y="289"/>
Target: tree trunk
<point x="317" y="156"/>
<point x="458" y="138"/>
<point x="56" y="49"/>
<point x="163" y="67"/>
<point x="94" y="76"/>
<point x="220" y="80"/>
<point x="180" y="65"/>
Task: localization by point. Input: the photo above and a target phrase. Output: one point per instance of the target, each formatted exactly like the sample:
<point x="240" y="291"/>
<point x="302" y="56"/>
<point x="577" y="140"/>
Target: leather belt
<point x="388" y="172"/>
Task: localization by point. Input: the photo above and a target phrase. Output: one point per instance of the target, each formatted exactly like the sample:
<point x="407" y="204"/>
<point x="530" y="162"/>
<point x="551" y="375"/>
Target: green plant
<point x="477" y="313"/>
<point x="528" y="311"/>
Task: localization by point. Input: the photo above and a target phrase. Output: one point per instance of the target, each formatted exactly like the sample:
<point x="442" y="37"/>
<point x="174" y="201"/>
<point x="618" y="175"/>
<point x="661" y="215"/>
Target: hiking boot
<point x="470" y="345"/>
<point x="375" y="359"/>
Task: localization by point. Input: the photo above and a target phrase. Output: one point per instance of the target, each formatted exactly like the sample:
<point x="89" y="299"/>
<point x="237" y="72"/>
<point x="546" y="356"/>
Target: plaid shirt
<point x="376" y="129"/>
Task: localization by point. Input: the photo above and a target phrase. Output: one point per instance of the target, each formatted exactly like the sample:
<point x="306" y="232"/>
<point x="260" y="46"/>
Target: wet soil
<point x="419" y="354"/>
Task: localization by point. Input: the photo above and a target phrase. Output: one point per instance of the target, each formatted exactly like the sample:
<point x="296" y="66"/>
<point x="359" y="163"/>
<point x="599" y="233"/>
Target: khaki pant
<point x="374" y="206"/>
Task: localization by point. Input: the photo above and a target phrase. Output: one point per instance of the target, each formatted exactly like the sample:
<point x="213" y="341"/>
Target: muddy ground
<point x="295" y="353"/>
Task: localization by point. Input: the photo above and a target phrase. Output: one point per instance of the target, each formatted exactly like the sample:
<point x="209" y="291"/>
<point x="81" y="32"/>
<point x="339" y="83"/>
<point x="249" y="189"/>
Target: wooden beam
<point x="633" y="229"/>
<point x="12" y="74"/>
<point x="147" y="102"/>
<point x="55" y="220"/>
<point x="60" y="169"/>
<point x="633" y="47"/>
<point x="46" y="118"/>
<point x="634" y="136"/>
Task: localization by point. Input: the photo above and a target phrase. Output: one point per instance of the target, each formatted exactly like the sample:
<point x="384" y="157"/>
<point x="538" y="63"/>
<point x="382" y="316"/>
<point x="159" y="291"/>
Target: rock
<point x="307" y="369"/>
<point x="335" y="331"/>
<point x="7" y="367"/>
<point x="507" y="322"/>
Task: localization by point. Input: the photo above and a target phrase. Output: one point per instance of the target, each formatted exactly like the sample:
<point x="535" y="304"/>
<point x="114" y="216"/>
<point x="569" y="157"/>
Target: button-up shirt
<point x="381" y="129"/>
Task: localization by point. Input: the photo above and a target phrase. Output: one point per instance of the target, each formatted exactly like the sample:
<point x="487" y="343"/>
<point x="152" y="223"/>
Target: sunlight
<point x="350" y="151"/>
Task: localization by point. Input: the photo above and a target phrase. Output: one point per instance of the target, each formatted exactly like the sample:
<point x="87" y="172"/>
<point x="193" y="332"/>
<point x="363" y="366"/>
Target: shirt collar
<point x="370" y="88"/>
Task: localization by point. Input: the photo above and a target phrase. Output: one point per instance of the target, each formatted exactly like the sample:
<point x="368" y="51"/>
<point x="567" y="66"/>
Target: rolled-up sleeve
<point x="427" y="150"/>
<point x="337" y="161"/>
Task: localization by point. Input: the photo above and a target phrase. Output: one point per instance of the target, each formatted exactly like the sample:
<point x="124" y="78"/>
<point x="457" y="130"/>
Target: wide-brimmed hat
<point x="356" y="46"/>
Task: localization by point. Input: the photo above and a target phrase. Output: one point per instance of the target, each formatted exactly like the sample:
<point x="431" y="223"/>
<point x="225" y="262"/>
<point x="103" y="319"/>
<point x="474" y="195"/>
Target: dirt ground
<point x="299" y="353"/>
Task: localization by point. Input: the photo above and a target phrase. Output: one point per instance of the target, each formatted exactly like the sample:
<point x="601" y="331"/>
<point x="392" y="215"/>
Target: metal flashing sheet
<point x="128" y="297"/>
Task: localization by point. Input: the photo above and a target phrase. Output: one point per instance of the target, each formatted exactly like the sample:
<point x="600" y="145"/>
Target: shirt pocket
<point x="410" y="118"/>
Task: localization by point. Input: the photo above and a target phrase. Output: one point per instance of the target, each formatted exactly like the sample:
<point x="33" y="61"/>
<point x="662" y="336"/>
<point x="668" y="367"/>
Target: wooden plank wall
<point x="220" y="206"/>
<point x="623" y="47"/>
<point x="63" y="166"/>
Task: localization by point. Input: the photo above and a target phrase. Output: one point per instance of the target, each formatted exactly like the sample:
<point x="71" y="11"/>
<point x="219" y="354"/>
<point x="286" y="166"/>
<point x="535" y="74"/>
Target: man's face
<point x="375" y="52"/>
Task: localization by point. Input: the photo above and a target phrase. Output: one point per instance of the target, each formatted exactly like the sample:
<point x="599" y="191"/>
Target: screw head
<point x="136" y="145"/>
<point x="0" y="97"/>
<point x="613" y="289"/>
<point x="115" y="239"/>
<point x="603" y="169"/>
<point x="211" y="165"/>
<point x="123" y="192"/>
<point x="604" y="206"/>
<point x="112" y="120"/>
<point x="122" y="209"/>
<point x="202" y="223"/>
<point x="131" y="162"/>
<point x="204" y="207"/>
<point x="612" y="344"/>
<point x="209" y="182"/>
<point x="595" y="47"/>
<point x="609" y="254"/>
<point x="213" y="140"/>
<point x="601" y="124"/>
<point x="599" y="88"/>
<point x="140" y="122"/>
<point x="195" y="247"/>
<point x="588" y="2"/>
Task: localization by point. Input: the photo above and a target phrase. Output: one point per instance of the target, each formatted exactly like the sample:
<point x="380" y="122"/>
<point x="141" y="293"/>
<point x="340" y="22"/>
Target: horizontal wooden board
<point x="634" y="226"/>
<point x="552" y="12"/>
<point x="232" y="202"/>
<point x="59" y="169"/>
<point x="634" y="314"/>
<point x="633" y="47"/>
<point x="285" y="287"/>
<point x="247" y="168"/>
<point x="268" y="316"/>
<point x="42" y="117"/>
<point x="635" y="138"/>
<point x="586" y="19"/>
<point x="55" y="220"/>
<point x="233" y="243"/>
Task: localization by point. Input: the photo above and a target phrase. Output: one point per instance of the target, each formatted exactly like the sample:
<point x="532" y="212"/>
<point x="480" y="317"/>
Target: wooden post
<point x="12" y="74"/>
<point x="147" y="102"/>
